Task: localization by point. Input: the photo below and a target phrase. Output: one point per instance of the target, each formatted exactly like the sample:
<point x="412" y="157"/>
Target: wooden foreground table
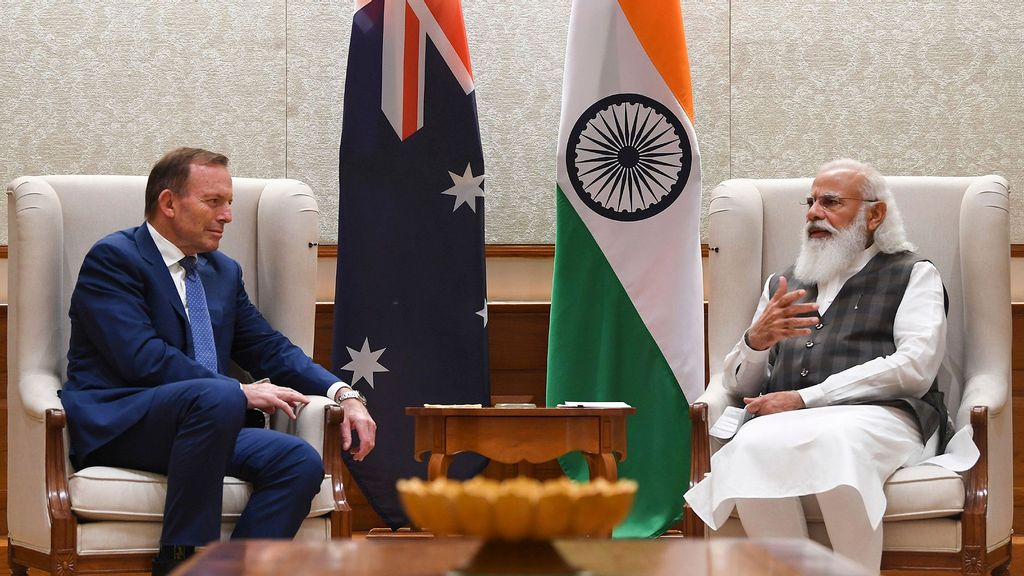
<point x="439" y="556"/>
<point x="511" y="435"/>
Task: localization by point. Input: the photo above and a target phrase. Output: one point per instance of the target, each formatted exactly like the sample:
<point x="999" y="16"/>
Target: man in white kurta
<point x="841" y="435"/>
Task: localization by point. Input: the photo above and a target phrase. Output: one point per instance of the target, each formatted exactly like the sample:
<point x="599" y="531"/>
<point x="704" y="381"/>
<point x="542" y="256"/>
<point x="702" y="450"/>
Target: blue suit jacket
<point x="130" y="333"/>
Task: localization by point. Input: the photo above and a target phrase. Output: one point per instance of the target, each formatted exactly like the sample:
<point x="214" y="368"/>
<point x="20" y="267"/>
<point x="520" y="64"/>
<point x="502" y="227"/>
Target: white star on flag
<point x="364" y="363"/>
<point x="483" y="313"/>
<point x="466" y="188"/>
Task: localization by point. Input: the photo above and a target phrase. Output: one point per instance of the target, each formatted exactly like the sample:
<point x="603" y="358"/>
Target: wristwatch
<point x="346" y="393"/>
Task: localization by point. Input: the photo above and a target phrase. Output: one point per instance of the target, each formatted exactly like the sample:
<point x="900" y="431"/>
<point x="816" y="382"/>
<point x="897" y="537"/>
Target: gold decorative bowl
<point x="517" y="509"/>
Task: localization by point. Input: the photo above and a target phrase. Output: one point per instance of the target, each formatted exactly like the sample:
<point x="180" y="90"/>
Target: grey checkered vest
<point x="857" y="327"/>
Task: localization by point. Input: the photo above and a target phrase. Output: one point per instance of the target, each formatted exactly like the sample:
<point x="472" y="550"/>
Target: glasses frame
<point x="830" y="202"/>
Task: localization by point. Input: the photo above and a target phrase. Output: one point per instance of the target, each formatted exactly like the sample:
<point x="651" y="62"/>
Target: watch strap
<point x="347" y="393"/>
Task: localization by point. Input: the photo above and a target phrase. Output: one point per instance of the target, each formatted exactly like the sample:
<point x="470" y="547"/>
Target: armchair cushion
<point x="914" y="493"/>
<point x="107" y="493"/>
<point x="118" y="537"/>
<point x="920" y="492"/>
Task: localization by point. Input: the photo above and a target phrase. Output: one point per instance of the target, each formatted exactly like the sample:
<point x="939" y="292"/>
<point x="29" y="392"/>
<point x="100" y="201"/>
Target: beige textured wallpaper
<point x="916" y="87"/>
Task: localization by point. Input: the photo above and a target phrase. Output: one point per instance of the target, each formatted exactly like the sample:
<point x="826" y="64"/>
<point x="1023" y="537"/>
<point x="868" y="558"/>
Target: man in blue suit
<point x="157" y="315"/>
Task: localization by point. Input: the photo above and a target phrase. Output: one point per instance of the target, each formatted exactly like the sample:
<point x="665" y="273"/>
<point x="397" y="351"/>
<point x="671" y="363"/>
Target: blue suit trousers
<point x="193" y="433"/>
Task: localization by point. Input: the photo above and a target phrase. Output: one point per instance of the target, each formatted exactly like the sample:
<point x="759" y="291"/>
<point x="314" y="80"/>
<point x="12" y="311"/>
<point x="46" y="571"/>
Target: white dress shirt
<point x="919" y="332"/>
<point x="172" y="256"/>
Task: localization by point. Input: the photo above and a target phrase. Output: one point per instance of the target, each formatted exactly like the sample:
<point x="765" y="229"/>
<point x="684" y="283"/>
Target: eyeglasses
<point x="829" y="202"/>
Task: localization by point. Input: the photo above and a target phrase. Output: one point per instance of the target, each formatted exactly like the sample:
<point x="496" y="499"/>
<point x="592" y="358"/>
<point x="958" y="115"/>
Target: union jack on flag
<point x="407" y="25"/>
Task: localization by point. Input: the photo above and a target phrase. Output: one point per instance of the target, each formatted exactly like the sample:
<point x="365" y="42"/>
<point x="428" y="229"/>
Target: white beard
<point x="824" y="259"/>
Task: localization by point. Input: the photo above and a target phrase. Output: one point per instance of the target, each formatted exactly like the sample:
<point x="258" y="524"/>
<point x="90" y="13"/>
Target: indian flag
<point x="627" y="320"/>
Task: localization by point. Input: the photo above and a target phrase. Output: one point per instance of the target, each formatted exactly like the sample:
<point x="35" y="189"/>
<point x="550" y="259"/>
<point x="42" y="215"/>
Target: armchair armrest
<point x="703" y="412"/>
<point x="974" y="523"/>
<point x="716" y="398"/>
<point x="310" y="423"/>
<point x="700" y="464"/>
<point x="63" y="524"/>
<point x="988" y="390"/>
<point x="319" y="423"/>
<point x="38" y="393"/>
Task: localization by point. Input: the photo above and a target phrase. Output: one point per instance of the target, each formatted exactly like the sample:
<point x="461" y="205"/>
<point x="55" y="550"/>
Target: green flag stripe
<point x="600" y="349"/>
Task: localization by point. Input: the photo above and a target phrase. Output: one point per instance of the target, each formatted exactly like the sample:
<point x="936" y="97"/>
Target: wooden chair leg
<point x="341" y="521"/>
<point x="16" y="568"/>
<point x="1002" y="569"/>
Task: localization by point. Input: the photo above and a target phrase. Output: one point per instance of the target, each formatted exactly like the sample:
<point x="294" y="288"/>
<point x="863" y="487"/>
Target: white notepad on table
<point x="572" y="404"/>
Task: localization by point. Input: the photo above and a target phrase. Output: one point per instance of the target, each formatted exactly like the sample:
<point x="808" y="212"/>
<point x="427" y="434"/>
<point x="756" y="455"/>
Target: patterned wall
<point x="916" y="87"/>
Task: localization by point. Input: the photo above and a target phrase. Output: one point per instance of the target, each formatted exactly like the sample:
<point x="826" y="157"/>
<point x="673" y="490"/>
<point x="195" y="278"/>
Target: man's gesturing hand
<point x="781" y="318"/>
<point x="267" y="397"/>
<point x="774" y="402"/>
<point x="358" y="419"/>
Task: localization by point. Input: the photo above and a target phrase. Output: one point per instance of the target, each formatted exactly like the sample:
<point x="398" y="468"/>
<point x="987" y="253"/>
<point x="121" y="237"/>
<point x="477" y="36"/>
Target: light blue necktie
<point x="203" y="347"/>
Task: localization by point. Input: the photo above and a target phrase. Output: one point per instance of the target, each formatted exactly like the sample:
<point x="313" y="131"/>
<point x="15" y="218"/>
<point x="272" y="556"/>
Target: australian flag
<point x="410" y="323"/>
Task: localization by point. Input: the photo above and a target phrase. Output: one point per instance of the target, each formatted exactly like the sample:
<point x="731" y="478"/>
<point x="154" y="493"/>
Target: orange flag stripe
<point x="449" y="16"/>
<point x="658" y="24"/>
<point x="410" y="74"/>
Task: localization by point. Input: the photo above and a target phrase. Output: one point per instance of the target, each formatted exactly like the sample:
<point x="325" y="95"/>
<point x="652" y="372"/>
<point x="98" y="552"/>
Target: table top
<point x="395" y="556"/>
<point x="538" y="412"/>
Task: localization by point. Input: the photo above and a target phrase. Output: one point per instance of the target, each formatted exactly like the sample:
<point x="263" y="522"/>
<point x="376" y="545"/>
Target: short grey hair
<point x="890" y="236"/>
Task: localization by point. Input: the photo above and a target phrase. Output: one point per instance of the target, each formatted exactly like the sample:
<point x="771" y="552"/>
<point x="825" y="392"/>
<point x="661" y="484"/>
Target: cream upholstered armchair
<point x="109" y="519"/>
<point x="935" y="519"/>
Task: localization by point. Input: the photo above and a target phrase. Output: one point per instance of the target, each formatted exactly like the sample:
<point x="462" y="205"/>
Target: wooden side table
<point x="511" y="435"/>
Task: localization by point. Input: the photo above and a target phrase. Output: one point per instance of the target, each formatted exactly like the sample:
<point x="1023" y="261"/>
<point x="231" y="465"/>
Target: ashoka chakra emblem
<point x="628" y="157"/>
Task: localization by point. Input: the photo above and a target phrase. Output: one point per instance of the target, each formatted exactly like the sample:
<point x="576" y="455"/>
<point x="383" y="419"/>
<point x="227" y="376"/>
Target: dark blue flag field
<point x="410" y="323"/>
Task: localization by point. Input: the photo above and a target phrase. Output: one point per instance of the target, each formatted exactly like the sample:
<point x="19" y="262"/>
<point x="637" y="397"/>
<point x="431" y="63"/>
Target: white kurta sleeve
<point x="746" y="369"/>
<point x="919" y="332"/>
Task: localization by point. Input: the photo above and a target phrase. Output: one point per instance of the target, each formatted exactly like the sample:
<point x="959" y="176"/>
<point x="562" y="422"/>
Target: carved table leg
<point x="437" y="467"/>
<point x="602" y="466"/>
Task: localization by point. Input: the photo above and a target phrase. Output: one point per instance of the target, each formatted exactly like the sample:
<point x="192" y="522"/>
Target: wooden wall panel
<point x="518" y="343"/>
<point x="1018" y="418"/>
<point x="1018" y="452"/>
<point x="3" y="420"/>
